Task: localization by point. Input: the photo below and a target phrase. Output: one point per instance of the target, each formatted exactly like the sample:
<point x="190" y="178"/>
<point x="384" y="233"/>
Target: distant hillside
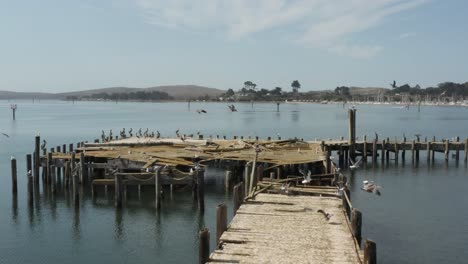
<point x="177" y="91"/>
<point x="367" y="90"/>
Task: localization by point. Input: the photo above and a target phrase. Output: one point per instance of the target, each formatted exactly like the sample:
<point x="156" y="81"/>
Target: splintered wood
<point x="276" y="228"/>
<point x="173" y="152"/>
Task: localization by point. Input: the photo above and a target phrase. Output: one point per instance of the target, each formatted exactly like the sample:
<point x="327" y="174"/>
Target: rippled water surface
<point x="421" y="217"/>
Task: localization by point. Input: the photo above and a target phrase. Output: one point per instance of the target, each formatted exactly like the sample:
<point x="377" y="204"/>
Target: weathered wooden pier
<point x="267" y="179"/>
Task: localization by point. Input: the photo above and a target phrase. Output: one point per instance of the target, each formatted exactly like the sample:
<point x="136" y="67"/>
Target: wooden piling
<point x="70" y="147"/>
<point x="383" y="152"/>
<point x="66" y="175"/>
<point x="14" y="176"/>
<point x="403" y="151"/>
<point x="74" y="176"/>
<point x="396" y="152"/>
<point x="37" y="156"/>
<point x="82" y="168"/>
<point x="200" y="189"/>
<point x="64" y="148"/>
<point x="356" y="224"/>
<point x="204" y="246"/>
<point x="157" y="188"/>
<point x="447" y="150"/>
<point x="272" y="175"/>
<point x="457" y="152"/>
<point x="52" y="180"/>
<point x="237" y="197"/>
<point x="433" y="151"/>
<point x="227" y="179"/>
<point x="30" y="180"/>
<point x="221" y="221"/>
<point x="412" y="150"/>
<point x="49" y="167"/>
<point x="370" y="252"/>
<point x="466" y="150"/>
<point x="374" y="151"/>
<point x="118" y="190"/>
<point x="364" y="151"/>
<point x="352" y="134"/>
<point x="428" y="152"/>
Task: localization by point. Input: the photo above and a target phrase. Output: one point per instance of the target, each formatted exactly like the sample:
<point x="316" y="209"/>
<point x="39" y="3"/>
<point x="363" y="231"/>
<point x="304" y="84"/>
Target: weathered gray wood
<point x="466" y="150"/>
<point x="382" y="158"/>
<point x="356" y="224"/>
<point x="82" y="172"/>
<point x="227" y="179"/>
<point x="118" y="190"/>
<point x="200" y="174"/>
<point x="374" y="151"/>
<point x="396" y="146"/>
<point x="237" y="197"/>
<point x="457" y="152"/>
<point x="30" y="180"/>
<point x="37" y="156"/>
<point x="412" y="150"/>
<point x="447" y="150"/>
<point x="221" y="221"/>
<point x="204" y="246"/>
<point x="428" y="152"/>
<point x="370" y="252"/>
<point x="272" y="175"/>
<point x="157" y="187"/>
<point x="49" y="168"/>
<point x="14" y="176"/>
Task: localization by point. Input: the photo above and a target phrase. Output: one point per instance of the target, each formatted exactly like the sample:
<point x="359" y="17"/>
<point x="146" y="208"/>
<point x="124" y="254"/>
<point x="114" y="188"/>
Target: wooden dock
<point x="279" y="228"/>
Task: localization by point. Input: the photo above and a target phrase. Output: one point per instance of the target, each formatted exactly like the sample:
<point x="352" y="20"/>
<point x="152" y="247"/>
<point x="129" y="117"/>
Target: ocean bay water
<point x="421" y="217"/>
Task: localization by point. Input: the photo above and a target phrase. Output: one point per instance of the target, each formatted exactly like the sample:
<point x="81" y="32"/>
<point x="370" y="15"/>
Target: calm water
<point x="422" y="216"/>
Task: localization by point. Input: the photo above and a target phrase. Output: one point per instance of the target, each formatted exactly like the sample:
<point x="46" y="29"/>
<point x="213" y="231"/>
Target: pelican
<point x="146" y="132"/>
<point x="158" y="135"/>
<point x="393" y="84"/>
<point x="354" y="165"/>
<point x="44" y="144"/>
<point x="376" y="136"/>
<point x="130" y="132"/>
<point x="307" y="178"/>
<point x="325" y="214"/>
<point x="5" y="135"/>
<point x="371" y="187"/>
<point x="139" y="132"/>
<point x="110" y="134"/>
<point x="177" y="133"/>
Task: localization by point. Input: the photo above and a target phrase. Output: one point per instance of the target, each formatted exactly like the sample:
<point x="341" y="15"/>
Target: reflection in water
<point x="14" y="208"/>
<point x="295" y="116"/>
<point x="119" y="227"/>
<point x="76" y="224"/>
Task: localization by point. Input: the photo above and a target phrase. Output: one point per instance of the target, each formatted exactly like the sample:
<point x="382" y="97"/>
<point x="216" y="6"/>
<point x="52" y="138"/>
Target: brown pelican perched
<point x="103" y="136"/>
<point x="325" y="214"/>
<point x="110" y="134"/>
<point x="140" y="133"/>
<point x="371" y="187"/>
<point x="44" y="144"/>
<point x="177" y="133"/>
<point x="146" y="133"/>
<point x="158" y="135"/>
<point x="201" y="111"/>
<point x="130" y="132"/>
<point x="232" y="108"/>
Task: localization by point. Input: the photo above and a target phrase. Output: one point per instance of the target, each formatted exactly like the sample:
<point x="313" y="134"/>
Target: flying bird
<point x="355" y="165"/>
<point x="232" y="108"/>
<point x="5" y="135"/>
<point x="393" y="84"/>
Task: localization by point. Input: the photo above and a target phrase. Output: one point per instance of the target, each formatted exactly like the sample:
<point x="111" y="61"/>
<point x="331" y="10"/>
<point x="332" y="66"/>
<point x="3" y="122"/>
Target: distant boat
<point x="324" y="102"/>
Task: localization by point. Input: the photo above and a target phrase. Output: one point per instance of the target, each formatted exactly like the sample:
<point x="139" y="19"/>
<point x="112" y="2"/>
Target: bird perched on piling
<point x="158" y="135"/>
<point x="371" y="187"/>
<point x="325" y="214"/>
<point x="177" y="133"/>
<point x="130" y="132"/>
<point x="103" y="136"/>
<point x="44" y="144"/>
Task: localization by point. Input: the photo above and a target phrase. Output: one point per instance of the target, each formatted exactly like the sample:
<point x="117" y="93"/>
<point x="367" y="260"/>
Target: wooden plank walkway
<point x="277" y="228"/>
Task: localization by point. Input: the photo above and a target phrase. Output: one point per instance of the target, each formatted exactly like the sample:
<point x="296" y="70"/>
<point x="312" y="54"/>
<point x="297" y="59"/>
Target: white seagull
<point x="371" y="187"/>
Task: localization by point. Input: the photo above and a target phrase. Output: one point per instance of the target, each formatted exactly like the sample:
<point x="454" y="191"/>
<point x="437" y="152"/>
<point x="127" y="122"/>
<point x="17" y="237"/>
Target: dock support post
<point x="204" y="246"/>
<point x="396" y="152"/>
<point x="418" y="146"/>
<point x="428" y="152"/>
<point x="328" y="160"/>
<point x="382" y="158"/>
<point x="457" y="152"/>
<point x="66" y="175"/>
<point x="227" y="179"/>
<point x="374" y="151"/>
<point x="370" y="252"/>
<point x="412" y="150"/>
<point x="14" y="176"/>
<point x="52" y="180"/>
<point x="74" y="176"/>
<point x="403" y="151"/>
<point x="37" y="157"/>
<point x="201" y="189"/>
<point x="221" y="221"/>
<point x="356" y="224"/>
<point x="118" y="190"/>
<point x="82" y="168"/>
<point x="340" y="157"/>
<point x="466" y="150"/>
<point x="272" y="175"/>
<point x="30" y="180"/>
<point x="447" y="149"/>
<point x="433" y="151"/>
<point x="352" y="134"/>
<point x="157" y="187"/>
<point x="237" y="197"/>
<point x="364" y="150"/>
<point x="49" y="168"/>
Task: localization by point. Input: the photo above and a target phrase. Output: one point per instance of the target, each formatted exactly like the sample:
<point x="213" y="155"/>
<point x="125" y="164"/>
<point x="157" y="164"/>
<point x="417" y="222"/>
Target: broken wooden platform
<point x="277" y="228"/>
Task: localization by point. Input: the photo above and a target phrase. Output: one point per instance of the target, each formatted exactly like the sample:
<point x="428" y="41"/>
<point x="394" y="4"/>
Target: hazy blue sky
<point x="65" y="45"/>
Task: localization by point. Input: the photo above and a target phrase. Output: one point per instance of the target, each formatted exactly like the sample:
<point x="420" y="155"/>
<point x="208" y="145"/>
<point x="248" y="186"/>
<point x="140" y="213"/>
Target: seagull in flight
<point x="354" y="165"/>
<point x="232" y="108"/>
